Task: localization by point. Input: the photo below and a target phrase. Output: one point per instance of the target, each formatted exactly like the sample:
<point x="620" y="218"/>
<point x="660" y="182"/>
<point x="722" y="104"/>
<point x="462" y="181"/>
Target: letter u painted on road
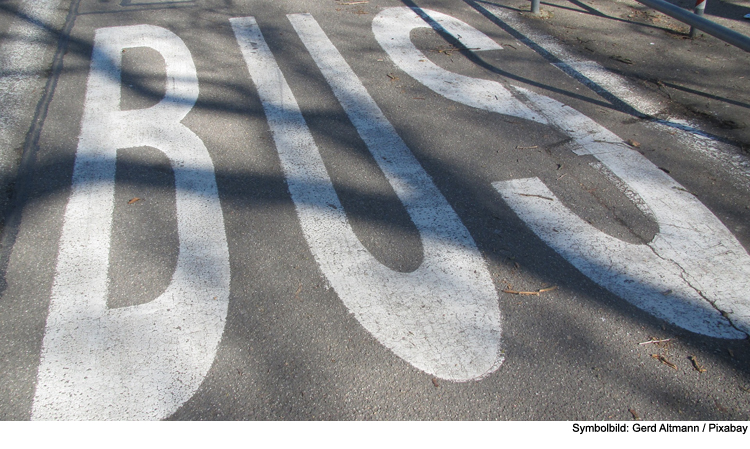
<point x="442" y="318"/>
<point x="144" y="361"/>
<point x="694" y="273"/>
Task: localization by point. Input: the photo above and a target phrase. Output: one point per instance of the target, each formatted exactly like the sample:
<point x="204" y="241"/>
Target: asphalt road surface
<point x="340" y="210"/>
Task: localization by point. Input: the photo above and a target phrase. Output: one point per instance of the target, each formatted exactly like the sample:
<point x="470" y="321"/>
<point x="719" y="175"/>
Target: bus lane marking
<point x="444" y="317"/>
<point x="138" y="362"/>
<point x="694" y="273"/>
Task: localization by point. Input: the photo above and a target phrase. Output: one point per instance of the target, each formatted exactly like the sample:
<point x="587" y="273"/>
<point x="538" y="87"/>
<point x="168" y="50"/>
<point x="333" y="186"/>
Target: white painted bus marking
<point x="139" y="362"/>
<point x="391" y="28"/>
<point x="444" y="317"/>
<point x="694" y="255"/>
<point x="602" y="80"/>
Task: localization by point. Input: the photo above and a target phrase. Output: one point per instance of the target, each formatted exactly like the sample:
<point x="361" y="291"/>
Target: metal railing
<point x="695" y="20"/>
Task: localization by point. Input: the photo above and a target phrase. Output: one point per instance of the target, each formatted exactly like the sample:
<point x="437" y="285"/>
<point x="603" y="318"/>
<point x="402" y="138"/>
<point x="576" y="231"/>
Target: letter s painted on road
<point x="669" y="277"/>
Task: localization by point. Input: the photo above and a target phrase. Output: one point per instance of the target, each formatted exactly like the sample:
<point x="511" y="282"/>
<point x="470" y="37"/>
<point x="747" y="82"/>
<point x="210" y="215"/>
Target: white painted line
<point x="581" y="69"/>
<point x="633" y="272"/>
<point x="693" y="256"/>
<point x="597" y="78"/>
<point x="694" y="273"/>
<point x="444" y="317"/>
<point x="139" y="362"/>
<point x="22" y="76"/>
<point x="392" y="27"/>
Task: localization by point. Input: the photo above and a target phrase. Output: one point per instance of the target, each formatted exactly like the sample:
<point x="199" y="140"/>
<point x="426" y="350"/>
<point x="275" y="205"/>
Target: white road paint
<point x="392" y="27"/>
<point x="694" y="273"/>
<point x="22" y="75"/>
<point x="693" y="270"/>
<point x="444" y="317"/>
<point x="139" y="362"/>
<point x="598" y="78"/>
<point x="583" y="70"/>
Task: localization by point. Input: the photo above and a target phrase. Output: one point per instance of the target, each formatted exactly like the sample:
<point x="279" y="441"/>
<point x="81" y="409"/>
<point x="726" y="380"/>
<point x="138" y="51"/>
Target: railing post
<point x="714" y="29"/>
<point x="535" y="6"/>
<point x="700" y="8"/>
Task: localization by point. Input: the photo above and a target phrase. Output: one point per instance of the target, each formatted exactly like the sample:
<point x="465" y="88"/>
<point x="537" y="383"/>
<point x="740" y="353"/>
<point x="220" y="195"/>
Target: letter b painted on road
<point x="144" y="361"/>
